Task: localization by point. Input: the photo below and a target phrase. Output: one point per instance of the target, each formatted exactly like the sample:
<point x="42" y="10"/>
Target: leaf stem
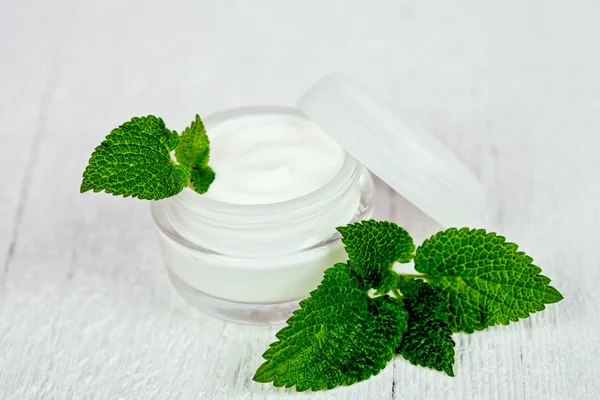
<point x="414" y="276"/>
<point x="396" y="293"/>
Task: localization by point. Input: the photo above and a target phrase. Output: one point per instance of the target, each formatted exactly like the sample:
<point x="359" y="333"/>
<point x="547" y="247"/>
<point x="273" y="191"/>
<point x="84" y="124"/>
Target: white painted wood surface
<point x="86" y="311"/>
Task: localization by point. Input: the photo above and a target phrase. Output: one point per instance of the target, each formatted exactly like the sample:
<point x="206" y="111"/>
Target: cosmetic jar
<point x="253" y="263"/>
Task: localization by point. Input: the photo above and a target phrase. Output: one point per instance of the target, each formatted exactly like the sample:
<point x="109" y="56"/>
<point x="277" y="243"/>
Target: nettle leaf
<point x="201" y="179"/>
<point x="194" y="146"/>
<point x="135" y="160"/>
<point x="373" y="247"/>
<point x="194" y="152"/>
<point x="428" y="340"/>
<point x="339" y="336"/>
<point x="484" y="279"/>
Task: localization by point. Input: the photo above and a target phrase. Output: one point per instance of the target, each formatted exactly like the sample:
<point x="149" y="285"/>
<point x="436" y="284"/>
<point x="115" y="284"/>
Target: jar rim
<point x="330" y="189"/>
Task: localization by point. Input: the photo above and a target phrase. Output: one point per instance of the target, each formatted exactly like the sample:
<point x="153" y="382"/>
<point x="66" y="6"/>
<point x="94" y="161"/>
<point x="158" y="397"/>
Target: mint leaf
<point x="484" y="279"/>
<point x="552" y="295"/>
<point x="194" y="147"/>
<point x="201" y="179"/>
<point x="373" y="247"/>
<point x="134" y="160"/>
<point x="194" y="152"/>
<point x="428" y="340"/>
<point x="339" y="336"/>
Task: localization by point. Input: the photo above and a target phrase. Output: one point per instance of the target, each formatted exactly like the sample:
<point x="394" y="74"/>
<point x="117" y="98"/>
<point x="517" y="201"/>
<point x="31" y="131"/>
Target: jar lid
<point x="400" y="152"/>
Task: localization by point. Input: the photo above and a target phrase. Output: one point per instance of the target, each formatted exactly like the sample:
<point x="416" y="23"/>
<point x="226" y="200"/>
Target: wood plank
<point x="28" y="79"/>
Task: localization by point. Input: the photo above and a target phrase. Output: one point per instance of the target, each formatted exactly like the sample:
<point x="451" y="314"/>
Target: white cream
<point x="269" y="159"/>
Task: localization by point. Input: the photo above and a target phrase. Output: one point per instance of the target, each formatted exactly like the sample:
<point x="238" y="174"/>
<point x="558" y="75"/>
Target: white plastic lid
<point x="404" y="155"/>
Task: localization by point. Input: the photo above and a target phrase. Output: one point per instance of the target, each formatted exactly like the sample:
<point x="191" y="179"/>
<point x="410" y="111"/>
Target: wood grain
<point x="86" y="311"/>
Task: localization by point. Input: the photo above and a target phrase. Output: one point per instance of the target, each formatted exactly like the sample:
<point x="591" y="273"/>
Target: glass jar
<point x="254" y="263"/>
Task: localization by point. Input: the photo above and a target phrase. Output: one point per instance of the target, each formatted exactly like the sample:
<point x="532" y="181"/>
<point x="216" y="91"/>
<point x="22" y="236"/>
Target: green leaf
<point x="194" y="147"/>
<point x="552" y="295"/>
<point x="373" y="247"/>
<point x="339" y="336"/>
<point x="135" y="160"/>
<point x="484" y="279"/>
<point x="194" y="152"/>
<point x="201" y="179"/>
<point x="428" y="340"/>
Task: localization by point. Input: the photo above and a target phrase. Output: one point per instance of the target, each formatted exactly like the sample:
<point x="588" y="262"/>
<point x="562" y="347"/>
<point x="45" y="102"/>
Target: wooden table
<point x="86" y="311"/>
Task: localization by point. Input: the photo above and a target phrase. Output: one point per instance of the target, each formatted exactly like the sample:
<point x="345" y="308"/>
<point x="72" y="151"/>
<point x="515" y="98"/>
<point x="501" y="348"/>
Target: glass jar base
<point x="241" y="313"/>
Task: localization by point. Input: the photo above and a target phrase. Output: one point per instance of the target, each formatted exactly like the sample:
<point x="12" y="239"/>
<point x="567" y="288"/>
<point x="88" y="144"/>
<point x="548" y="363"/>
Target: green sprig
<point x="470" y="279"/>
<point x="135" y="160"/>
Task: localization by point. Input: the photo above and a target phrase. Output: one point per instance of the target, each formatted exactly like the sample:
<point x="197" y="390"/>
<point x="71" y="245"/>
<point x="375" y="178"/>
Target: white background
<point x="86" y="311"/>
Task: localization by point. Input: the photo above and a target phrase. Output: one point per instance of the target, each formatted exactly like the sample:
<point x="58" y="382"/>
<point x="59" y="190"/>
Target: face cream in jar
<point x="260" y="239"/>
